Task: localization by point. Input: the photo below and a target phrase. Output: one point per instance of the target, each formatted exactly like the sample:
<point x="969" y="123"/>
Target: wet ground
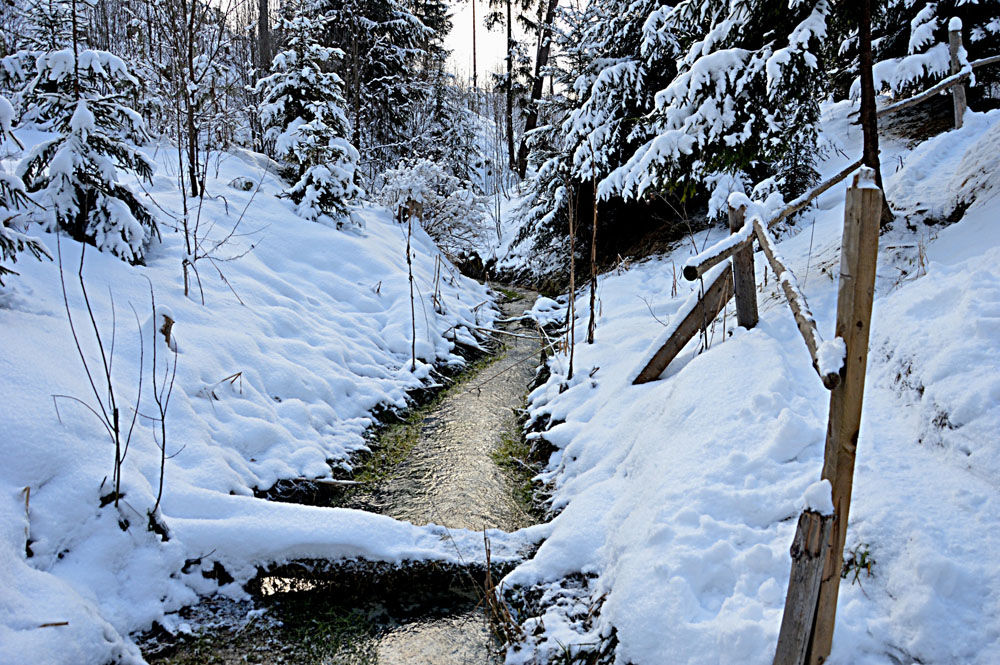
<point x="450" y="476"/>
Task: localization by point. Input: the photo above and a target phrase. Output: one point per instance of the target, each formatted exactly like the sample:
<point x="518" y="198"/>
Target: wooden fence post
<point x="957" y="90"/>
<point x="809" y="553"/>
<point x="859" y="252"/>
<point x="743" y="274"/>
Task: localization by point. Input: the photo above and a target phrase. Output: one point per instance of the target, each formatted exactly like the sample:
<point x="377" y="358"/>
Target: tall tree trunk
<point x="510" y="88"/>
<point x="264" y="34"/>
<point x="191" y="125"/>
<point x="592" y="325"/>
<point x="541" y="61"/>
<point x="475" y="80"/>
<point x="869" y="120"/>
<point x="356" y="92"/>
<point x="571" y="303"/>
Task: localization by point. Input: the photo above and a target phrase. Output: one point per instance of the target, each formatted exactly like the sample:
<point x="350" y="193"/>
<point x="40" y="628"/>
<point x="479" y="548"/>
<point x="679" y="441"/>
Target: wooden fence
<point x="818" y="547"/>
<point x="817" y="550"/>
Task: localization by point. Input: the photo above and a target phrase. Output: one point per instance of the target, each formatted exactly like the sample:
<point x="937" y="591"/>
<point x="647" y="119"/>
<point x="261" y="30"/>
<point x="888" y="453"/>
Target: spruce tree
<point x="13" y="202"/>
<point x="303" y="113"/>
<point x="383" y="42"/>
<point x="910" y="43"/>
<point x="744" y="102"/>
<point x="79" y="96"/>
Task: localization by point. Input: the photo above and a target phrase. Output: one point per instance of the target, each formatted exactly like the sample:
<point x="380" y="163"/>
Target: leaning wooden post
<point x="743" y="273"/>
<point x="859" y="252"/>
<point x="809" y="553"/>
<point x="957" y="90"/>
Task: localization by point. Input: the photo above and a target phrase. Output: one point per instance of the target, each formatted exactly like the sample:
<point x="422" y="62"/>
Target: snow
<point x="830" y="356"/>
<point x="677" y="499"/>
<point x="818" y="497"/>
<point x="305" y="331"/>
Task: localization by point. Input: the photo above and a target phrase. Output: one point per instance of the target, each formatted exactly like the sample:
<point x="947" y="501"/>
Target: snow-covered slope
<point x="679" y="497"/>
<point x="300" y="338"/>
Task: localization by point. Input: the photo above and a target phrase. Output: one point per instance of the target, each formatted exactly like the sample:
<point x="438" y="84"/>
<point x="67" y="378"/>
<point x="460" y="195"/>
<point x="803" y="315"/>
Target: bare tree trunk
<point x="592" y="325"/>
<point x="264" y="34"/>
<point x="541" y="61"/>
<point x="571" y="304"/>
<point x="869" y="121"/>
<point x="475" y="80"/>
<point x="510" y="88"/>
<point x="413" y="310"/>
<point x="356" y="92"/>
<point x="192" y="130"/>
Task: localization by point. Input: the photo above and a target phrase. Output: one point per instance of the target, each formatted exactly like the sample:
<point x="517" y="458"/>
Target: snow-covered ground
<point x="679" y="497"/>
<point x="302" y="336"/>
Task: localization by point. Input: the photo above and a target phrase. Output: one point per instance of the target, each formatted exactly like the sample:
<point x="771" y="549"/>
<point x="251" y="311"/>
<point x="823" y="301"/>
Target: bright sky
<point x="490" y="46"/>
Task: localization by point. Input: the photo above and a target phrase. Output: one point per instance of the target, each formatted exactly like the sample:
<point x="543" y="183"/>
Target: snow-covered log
<point x="824" y="354"/>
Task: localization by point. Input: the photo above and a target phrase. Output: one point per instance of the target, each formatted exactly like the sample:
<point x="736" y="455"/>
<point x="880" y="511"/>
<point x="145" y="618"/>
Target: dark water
<point x="449" y="478"/>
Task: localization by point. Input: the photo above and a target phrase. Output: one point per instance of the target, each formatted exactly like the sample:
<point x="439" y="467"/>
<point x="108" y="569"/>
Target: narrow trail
<point x="450" y="477"/>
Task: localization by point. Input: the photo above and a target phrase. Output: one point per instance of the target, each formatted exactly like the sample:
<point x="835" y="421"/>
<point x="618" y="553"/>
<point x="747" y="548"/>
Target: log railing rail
<point x="818" y="547"/>
<point x="955" y="81"/>
<point x="697" y="265"/>
<point x="817" y="550"/>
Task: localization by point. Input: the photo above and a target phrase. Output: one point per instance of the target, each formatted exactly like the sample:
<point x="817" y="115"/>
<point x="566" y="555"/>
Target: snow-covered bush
<point x="75" y="174"/>
<point x="452" y="214"/>
<point x="303" y="114"/>
<point x="13" y="200"/>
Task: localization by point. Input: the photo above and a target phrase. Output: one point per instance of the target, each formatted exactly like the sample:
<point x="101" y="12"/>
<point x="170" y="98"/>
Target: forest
<point x="669" y="335"/>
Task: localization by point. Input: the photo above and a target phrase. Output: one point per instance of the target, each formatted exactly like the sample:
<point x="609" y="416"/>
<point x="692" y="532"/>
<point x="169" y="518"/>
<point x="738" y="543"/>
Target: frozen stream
<point x="448" y="478"/>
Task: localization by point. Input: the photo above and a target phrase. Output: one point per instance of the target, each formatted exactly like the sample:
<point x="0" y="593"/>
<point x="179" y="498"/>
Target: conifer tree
<point x="13" y="202"/>
<point x="910" y="43"/>
<point x="303" y="113"/>
<point x="383" y="42"/>
<point x="744" y="102"/>
<point x="79" y="95"/>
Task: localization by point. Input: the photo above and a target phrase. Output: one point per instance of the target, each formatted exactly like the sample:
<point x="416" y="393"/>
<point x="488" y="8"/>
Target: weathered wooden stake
<point x="859" y="252"/>
<point x="743" y="274"/>
<point x="958" y="90"/>
<point x="809" y="553"/>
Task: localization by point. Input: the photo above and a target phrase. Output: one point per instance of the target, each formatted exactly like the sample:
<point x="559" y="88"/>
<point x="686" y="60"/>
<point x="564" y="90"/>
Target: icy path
<point x="450" y="477"/>
<point x="439" y="500"/>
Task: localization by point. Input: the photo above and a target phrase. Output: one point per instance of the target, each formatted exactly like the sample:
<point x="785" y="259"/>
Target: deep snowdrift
<point x="679" y="497"/>
<point x="277" y="386"/>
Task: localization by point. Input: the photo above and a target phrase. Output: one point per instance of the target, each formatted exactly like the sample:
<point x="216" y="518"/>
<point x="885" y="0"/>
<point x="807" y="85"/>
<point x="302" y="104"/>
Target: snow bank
<point x="305" y="331"/>
<point x="677" y="500"/>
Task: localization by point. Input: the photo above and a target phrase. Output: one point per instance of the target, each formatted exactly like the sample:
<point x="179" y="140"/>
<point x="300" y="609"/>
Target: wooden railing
<point x="817" y="550"/>
<point x="738" y="245"/>
<point x="818" y="547"/>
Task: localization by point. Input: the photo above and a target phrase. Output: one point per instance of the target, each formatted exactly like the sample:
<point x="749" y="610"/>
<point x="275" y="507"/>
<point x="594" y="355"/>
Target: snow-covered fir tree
<point x="744" y="103"/>
<point x="910" y="43"/>
<point x="13" y="202"/>
<point x="608" y="67"/>
<point x="80" y="98"/>
<point x="303" y="114"/>
<point x="383" y="42"/>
